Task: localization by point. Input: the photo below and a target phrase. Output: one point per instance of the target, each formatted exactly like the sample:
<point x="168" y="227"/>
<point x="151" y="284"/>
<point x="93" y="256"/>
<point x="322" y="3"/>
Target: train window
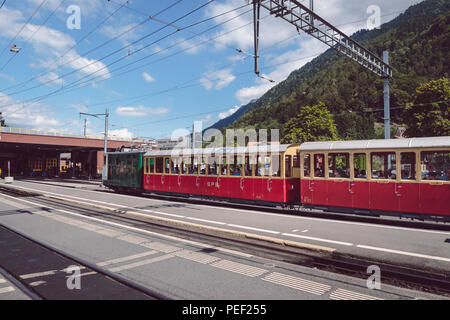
<point x="213" y="169"/>
<point x="184" y="166"/>
<point x="287" y="166"/>
<point x="159" y="165"/>
<point x="152" y="165"/>
<point x="319" y="165"/>
<point x="248" y="166"/>
<point x="267" y="165"/>
<point x="435" y="165"/>
<point x="175" y="165"/>
<point x="276" y="165"/>
<point x="360" y="164"/>
<point x="306" y="165"/>
<point x="383" y="165"/>
<point x="296" y="161"/>
<point x="224" y="167"/>
<point x="408" y="165"/>
<point x="338" y="165"/>
<point x="193" y="166"/>
<point x="236" y="166"/>
<point x="259" y="167"/>
<point x="166" y="165"/>
<point x="203" y="168"/>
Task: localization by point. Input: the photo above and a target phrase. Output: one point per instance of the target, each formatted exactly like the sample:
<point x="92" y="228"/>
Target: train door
<point x="407" y="189"/>
<point x="338" y="183"/>
<point x="306" y="183"/>
<point x="319" y="184"/>
<point x="359" y="187"/>
<point x="383" y="186"/>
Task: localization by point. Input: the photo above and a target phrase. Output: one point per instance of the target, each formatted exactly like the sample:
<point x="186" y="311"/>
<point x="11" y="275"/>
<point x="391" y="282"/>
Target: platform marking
<point x="207" y="221"/>
<point x="412" y="254"/>
<point x="342" y="294"/>
<point x="239" y="268"/>
<point x="318" y="239"/>
<point x="162" y="247"/>
<point x="297" y="283"/>
<point x="6" y="289"/>
<point x="127" y="258"/>
<point x="132" y="239"/>
<point x="251" y="228"/>
<point x="38" y="274"/>
<point x="196" y="256"/>
<point x="141" y="263"/>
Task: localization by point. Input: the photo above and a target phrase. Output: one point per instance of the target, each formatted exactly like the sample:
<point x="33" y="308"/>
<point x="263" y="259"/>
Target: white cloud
<point x="140" y="111"/>
<point x="51" y="79"/>
<point x="228" y="113"/>
<point x="33" y="116"/>
<point x="120" y="133"/>
<point x="147" y="77"/>
<point x="49" y="44"/>
<point x="286" y="63"/>
<point x="217" y="79"/>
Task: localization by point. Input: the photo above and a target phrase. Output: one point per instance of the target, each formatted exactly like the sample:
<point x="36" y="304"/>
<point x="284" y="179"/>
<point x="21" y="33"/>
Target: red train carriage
<point x="409" y="177"/>
<point x="263" y="174"/>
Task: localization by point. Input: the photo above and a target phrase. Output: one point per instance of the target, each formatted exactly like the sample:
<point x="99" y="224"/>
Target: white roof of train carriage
<point x="429" y="142"/>
<point x="218" y="151"/>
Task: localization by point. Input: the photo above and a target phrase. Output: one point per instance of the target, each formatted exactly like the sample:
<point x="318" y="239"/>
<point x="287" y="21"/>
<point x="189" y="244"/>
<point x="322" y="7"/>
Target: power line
<point x="23" y="26"/>
<point x="39" y="98"/>
<point x="36" y="31"/>
<point x="1" y="6"/>
<point x="91" y="50"/>
<point x="114" y="52"/>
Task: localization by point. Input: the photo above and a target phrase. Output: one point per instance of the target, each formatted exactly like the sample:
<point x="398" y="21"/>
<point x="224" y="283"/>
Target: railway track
<point x="23" y="258"/>
<point x="431" y="281"/>
<point x="295" y="209"/>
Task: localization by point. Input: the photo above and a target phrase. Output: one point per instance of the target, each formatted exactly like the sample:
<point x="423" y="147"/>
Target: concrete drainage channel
<point x="323" y="258"/>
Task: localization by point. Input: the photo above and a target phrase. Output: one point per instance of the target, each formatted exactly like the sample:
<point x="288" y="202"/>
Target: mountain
<point x="225" y="122"/>
<point x="418" y="42"/>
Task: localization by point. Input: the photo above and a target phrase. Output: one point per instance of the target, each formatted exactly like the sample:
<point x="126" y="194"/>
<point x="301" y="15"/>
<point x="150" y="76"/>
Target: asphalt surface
<point x="415" y="247"/>
<point x="172" y="266"/>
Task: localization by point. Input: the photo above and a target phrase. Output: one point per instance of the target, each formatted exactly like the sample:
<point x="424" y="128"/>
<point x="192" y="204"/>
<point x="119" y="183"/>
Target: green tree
<point x="311" y="124"/>
<point x="429" y="114"/>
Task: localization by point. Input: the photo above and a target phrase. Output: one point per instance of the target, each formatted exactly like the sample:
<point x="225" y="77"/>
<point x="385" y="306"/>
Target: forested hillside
<point x="419" y="44"/>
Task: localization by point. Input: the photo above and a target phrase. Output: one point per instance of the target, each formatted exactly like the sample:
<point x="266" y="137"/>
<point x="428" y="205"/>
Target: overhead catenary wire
<point x="33" y="34"/>
<point x="23" y="26"/>
<point x="115" y="51"/>
<point x="39" y="98"/>
<point x="89" y="51"/>
<point x="189" y="86"/>
<point x="57" y="92"/>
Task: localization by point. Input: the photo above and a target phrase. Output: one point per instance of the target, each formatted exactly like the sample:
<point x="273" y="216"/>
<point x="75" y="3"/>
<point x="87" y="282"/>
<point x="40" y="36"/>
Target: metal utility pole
<point x="105" y="166"/>
<point x="304" y="19"/>
<point x="387" y="107"/>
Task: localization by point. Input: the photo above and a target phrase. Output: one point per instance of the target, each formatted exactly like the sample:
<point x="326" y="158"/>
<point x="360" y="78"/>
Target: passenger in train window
<point x="446" y="175"/>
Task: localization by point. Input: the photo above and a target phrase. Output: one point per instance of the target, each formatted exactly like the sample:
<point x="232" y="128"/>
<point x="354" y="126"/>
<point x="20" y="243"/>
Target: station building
<point x="39" y="153"/>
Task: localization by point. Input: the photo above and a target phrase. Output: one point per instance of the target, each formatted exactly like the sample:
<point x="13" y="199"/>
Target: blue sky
<point x="153" y="79"/>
